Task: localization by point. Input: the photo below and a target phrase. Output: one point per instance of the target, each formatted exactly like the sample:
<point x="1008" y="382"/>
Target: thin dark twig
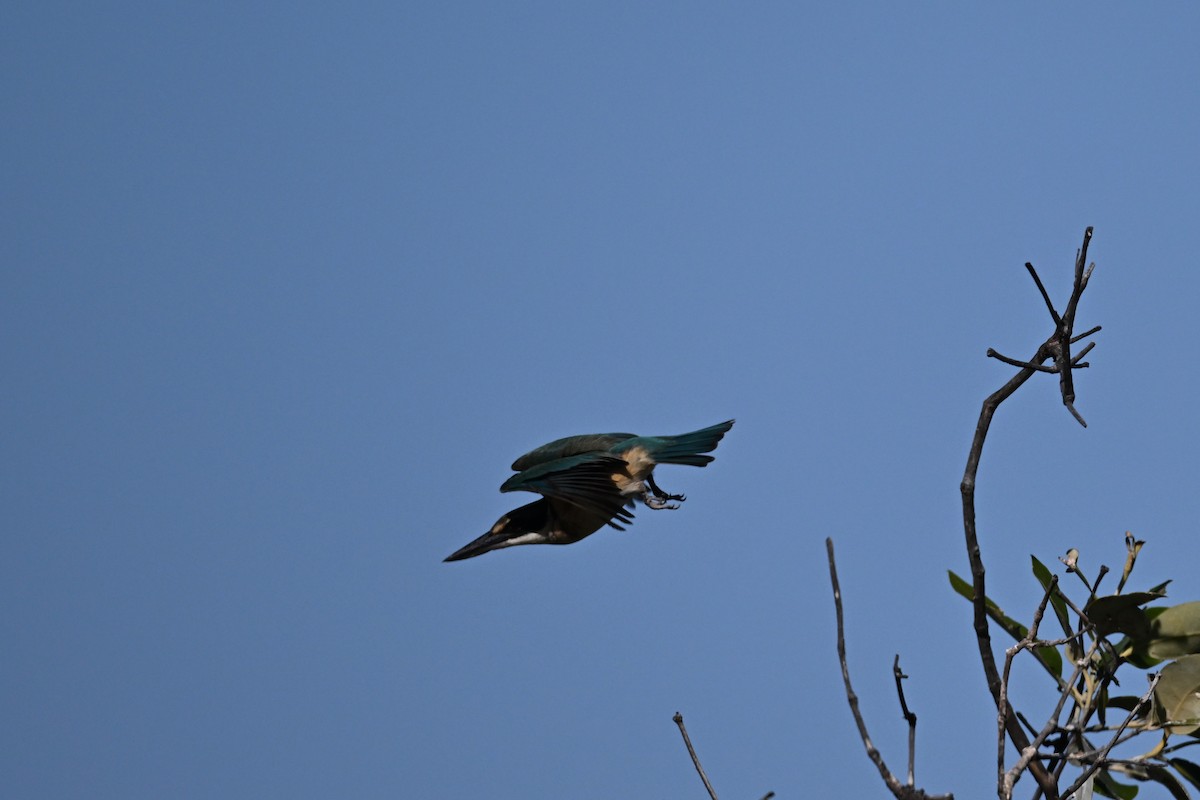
<point x="1012" y="362"/>
<point x="1051" y="725"/>
<point x="909" y="717"/>
<point x="1085" y="334"/>
<point x="1065" y="326"/>
<point x="1096" y="585"/>
<point x="1026" y="643"/>
<point x="1084" y="621"/>
<point x="1175" y="747"/>
<point x="1083" y="579"/>
<point x="1082" y="353"/>
<point x="1045" y="296"/>
<point x="894" y="785"/>
<point x="687" y="740"/>
<point x="1060" y="641"/>
<point x="1082" y="276"/>
<point x="872" y="752"/>
<point x="1087" y="275"/>
<point x="1070" y="404"/>
<point x="1100" y="758"/>
<point x="1085" y="756"/>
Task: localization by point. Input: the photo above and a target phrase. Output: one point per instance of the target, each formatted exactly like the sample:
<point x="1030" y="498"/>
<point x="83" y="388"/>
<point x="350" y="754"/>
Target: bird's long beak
<point x="520" y="526"/>
<point x="489" y="541"/>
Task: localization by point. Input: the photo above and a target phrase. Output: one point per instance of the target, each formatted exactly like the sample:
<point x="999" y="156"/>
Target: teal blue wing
<point x="584" y="480"/>
<point x="569" y="446"/>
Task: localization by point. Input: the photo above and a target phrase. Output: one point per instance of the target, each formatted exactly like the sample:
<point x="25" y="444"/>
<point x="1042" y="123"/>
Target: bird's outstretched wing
<point x="569" y="446"/>
<point x="584" y="480"/>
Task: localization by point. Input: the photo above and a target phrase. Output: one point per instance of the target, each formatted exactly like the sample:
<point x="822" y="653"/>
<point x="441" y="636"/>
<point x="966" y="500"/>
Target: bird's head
<point x="524" y="525"/>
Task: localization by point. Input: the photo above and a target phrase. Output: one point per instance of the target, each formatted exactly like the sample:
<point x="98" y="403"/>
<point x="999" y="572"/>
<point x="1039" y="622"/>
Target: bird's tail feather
<point x="687" y="448"/>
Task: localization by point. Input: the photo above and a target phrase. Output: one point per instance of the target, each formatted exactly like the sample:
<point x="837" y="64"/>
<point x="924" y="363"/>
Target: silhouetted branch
<point x="1012" y="362"/>
<point x="909" y="717"/>
<point x="1058" y="349"/>
<point x="1066" y="690"/>
<point x="1045" y="296"/>
<point x="687" y="740"/>
<point x="1075" y="362"/>
<point x="1003" y="704"/>
<point x="982" y="633"/>
<point x="1066" y="325"/>
<point x="900" y="791"/>
<point x="1100" y="758"/>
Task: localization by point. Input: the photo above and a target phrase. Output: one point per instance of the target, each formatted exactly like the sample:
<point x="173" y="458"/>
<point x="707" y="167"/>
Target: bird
<point x="589" y="481"/>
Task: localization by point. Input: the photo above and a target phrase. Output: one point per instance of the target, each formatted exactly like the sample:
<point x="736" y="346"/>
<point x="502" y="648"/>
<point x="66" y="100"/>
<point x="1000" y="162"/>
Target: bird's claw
<point x="652" y="489"/>
<point x="659" y="503"/>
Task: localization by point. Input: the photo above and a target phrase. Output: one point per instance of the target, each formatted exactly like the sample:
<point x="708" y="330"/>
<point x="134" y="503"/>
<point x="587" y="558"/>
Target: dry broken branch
<point x="898" y="790"/>
<point x="1056" y="348"/>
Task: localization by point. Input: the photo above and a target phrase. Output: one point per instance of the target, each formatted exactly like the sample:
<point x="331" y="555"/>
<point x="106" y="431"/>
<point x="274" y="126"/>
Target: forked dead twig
<point x="1056" y="348"/>
<point x="899" y="790"/>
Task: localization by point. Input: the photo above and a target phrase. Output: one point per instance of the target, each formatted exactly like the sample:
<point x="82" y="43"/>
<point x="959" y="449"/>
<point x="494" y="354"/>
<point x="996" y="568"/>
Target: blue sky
<point x="287" y="287"/>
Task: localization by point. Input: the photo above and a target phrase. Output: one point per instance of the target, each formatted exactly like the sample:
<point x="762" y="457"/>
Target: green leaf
<point x="1161" y="774"/>
<point x="1049" y="657"/>
<point x="1175" y="631"/>
<point x="1135" y="649"/>
<point x="1178" y="694"/>
<point x="1125" y="702"/>
<point x="1010" y="625"/>
<point x="1188" y="769"/>
<point x="1108" y="786"/>
<point x="1121" y="612"/>
<point x="1141" y="660"/>
<point x="961" y="586"/>
<point x="1044" y="577"/>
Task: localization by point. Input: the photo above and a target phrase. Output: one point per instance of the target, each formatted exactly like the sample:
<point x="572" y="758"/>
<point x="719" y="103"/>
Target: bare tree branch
<point x="1012" y="362"/>
<point x="901" y="792"/>
<point x="872" y="752"/>
<point x="982" y="632"/>
<point x="1066" y="324"/>
<point x="1045" y="296"/>
<point x="1101" y="757"/>
<point x="1067" y="690"/>
<point x="692" y="752"/>
<point x="1075" y="362"/>
<point x="1003" y="705"/>
<point x="909" y="717"/>
<point x="1058" y="349"/>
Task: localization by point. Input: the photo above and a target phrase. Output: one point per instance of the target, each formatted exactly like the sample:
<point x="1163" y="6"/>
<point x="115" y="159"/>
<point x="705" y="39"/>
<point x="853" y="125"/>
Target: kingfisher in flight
<point x="589" y="481"/>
